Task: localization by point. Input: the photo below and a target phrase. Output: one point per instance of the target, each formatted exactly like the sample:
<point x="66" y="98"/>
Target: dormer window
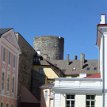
<point x="88" y="68"/>
<point x="95" y="68"/>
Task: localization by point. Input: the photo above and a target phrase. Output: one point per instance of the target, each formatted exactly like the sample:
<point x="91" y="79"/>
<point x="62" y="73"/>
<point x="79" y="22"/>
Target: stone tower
<point x="51" y="47"/>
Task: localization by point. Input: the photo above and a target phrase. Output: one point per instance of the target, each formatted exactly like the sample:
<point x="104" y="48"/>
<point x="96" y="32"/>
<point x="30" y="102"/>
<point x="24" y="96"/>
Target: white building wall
<point x="105" y="69"/>
<point x="98" y="101"/>
<point x="101" y="57"/>
<point x="105" y="59"/>
<point x="57" y="100"/>
<point x="105" y="100"/>
<point x="51" y="103"/>
<point x="80" y="101"/>
<point x="63" y="97"/>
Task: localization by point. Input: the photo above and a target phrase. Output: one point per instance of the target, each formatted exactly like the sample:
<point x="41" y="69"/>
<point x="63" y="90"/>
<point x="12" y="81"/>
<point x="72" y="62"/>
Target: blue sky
<point x="75" y="20"/>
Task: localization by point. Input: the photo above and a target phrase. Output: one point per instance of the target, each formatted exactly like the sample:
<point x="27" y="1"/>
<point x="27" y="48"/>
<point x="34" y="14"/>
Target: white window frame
<point x="90" y="100"/>
<point x="70" y="100"/>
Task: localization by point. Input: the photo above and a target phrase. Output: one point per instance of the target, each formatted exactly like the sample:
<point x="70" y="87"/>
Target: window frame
<point x="90" y="100"/>
<point x="70" y="100"/>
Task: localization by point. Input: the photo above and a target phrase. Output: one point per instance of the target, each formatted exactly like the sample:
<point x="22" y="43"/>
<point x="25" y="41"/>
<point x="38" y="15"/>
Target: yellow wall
<point x="50" y="73"/>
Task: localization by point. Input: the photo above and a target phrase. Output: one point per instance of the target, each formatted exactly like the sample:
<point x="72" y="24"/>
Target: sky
<point x="74" y="20"/>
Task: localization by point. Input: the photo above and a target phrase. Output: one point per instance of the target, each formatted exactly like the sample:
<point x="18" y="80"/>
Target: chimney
<point x="75" y="57"/>
<point x="82" y="60"/>
<point x="103" y="19"/>
<point x="68" y="59"/>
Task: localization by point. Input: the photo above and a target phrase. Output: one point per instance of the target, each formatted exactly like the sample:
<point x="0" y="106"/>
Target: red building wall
<point x="8" y="97"/>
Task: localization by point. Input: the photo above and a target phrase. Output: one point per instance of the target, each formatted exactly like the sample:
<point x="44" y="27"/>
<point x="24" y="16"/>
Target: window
<point x="4" y="54"/>
<point x="14" y="61"/>
<point x="90" y="100"/>
<point x="70" y="100"/>
<point x="9" y="58"/>
<point x="7" y="105"/>
<point x="3" y="76"/>
<point x="88" y="68"/>
<point x="2" y="105"/>
<point x="13" y="85"/>
<point x="8" y="82"/>
<point x="95" y="68"/>
<point x="12" y="105"/>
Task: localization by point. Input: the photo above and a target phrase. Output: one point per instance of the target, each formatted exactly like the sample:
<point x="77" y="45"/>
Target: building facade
<point x="102" y="44"/>
<point x="74" y="92"/>
<point x="86" y="92"/>
<point x="9" y="60"/>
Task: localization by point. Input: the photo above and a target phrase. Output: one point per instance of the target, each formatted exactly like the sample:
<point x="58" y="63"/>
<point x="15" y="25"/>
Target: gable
<point x="11" y="38"/>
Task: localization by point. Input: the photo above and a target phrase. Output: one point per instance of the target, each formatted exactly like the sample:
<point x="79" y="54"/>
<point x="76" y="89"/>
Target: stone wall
<point x="51" y="47"/>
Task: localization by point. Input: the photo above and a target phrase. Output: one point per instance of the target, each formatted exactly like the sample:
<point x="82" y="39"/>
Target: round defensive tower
<point x="51" y="47"/>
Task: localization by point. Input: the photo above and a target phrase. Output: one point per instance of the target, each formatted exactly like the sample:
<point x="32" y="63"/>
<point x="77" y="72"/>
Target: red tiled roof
<point x="97" y="75"/>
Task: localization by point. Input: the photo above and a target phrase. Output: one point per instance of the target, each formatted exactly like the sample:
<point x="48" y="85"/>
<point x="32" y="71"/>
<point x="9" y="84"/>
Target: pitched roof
<point x="4" y="30"/>
<point x="39" y="60"/>
<point x="74" y="67"/>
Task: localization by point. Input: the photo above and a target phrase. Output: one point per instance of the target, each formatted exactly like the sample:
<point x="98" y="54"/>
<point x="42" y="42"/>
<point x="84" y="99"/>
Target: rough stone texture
<point x="51" y="47"/>
<point x="25" y="63"/>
